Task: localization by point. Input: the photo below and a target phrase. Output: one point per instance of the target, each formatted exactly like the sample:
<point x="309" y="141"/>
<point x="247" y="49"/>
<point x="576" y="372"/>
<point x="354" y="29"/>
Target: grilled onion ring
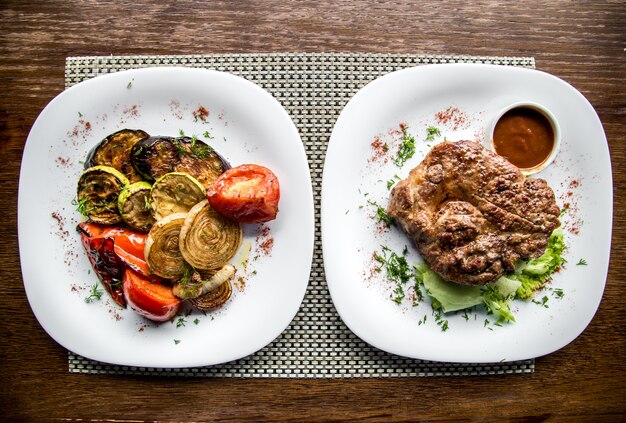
<point x="207" y="240"/>
<point x="161" y="251"/>
<point x="215" y="298"/>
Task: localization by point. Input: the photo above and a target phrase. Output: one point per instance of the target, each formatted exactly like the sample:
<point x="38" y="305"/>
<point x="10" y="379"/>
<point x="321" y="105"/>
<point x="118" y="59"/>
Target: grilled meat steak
<point x="472" y="214"/>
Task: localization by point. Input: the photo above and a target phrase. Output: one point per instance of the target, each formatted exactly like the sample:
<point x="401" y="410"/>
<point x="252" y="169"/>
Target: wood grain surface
<point x="583" y="43"/>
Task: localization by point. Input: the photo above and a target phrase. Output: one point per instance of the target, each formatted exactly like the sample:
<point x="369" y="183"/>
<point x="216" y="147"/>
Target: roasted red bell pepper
<point x="150" y="298"/>
<point x="106" y="264"/>
<point x="128" y="244"/>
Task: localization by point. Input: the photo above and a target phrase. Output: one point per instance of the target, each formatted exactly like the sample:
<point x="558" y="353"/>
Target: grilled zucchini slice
<point x="115" y="151"/>
<point x="97" y="194"/>
<point x="175" y="192"/>
<point x="208" y="240"/>
<point x="153" y="157"/>
<point x="134" y="206"/>
<point x="161" y="250"/>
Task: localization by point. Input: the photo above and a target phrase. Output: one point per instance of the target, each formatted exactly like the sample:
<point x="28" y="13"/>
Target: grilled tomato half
<point x="247" y="193"/>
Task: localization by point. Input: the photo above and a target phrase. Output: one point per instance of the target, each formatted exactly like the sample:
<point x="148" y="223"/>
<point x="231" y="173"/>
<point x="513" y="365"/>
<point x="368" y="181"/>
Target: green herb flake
<point x="180" y="322"/>
<point x="130" y="85"/>
<point x="543" y="302"/>
<point x="406" y="149"/>
<point x="80" y="115"/>
<point x="381" y="214"/>
<point x="422" y="321"/>
<point x="176" y="341"/>
<point x="581" y="262"/>
<point x="196" y="321"/>
<point x="558" y="293"/>
<point x="94" y="294"/>
<point x="181" y="132"/>
<point x="431" y="133"/>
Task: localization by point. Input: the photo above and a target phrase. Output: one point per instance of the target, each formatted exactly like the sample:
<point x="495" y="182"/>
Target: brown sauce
<point x="524" y="137"/>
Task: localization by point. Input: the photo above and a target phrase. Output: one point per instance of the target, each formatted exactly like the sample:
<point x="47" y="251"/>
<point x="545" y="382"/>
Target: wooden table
<point x="582" y="43"/>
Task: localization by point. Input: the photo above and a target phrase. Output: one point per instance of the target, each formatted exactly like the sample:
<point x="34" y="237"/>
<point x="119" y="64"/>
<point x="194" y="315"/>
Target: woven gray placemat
<point x="313" y="88"/>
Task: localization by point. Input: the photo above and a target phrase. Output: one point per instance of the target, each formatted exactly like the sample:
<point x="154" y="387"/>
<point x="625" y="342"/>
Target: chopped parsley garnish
<point x="208" y="135"/>
<point x="406" y="149"/>
<point x="80" y="115"/>
<point x="181" y="132"/>
<point x="130" y="84"/>
<point x="398" y="269"/>
<point x="581" y="262"/>
<point x="440" y="321"/>
<point x="187" y="272"/>
<point x="176" y="341"/>
<point x="543" y="302"/>
<point x="564" y="210"/>
<point x="398" y="294"/>
<point x="431" y="133"/>
<point x="200" y="150"/>
<point x="196" y="321"/>
<point x="83" y="206"/>
<point x="180" y="148"/>
<point x="95" y="294"/>
<point x="558" y="293"/>
<point x="180" y="322"/>
<point x="381" y="214"/>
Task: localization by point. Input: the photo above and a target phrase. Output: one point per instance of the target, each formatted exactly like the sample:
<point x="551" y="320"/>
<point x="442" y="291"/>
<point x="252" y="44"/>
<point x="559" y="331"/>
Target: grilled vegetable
<point x="161" y="250"/>
<point x="115" y="150"/>
<point x="153" y="157"/>
<point x="208" y="240"/>
<point x="106" y="264"/>
<point x="175" y="192"/>
<point x="195" y="286"/>
<point x="215" y="298"/>
<point x="149" y="298"/>
<point x="128" y="244"/>
<point x="98" y="190"/>
<point x="247" y="193"/>
<point x="134" y="206"/>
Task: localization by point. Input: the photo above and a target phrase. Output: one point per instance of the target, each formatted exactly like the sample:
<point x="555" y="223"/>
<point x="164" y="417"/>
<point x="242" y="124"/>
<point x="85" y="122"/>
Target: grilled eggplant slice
<point x="134" y="206"/>
<point x="115" y="151"/>
<point x="153" y="157"/>
<point x="175" y="192"/>
<point x="161" y="250"/>
<point x="208" y="240"/>
<point x="98" y="190"/>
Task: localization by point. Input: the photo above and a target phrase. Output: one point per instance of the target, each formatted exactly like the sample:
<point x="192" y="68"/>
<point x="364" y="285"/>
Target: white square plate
<point x="354" y="176"/>
<point x="247" y="125"/>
